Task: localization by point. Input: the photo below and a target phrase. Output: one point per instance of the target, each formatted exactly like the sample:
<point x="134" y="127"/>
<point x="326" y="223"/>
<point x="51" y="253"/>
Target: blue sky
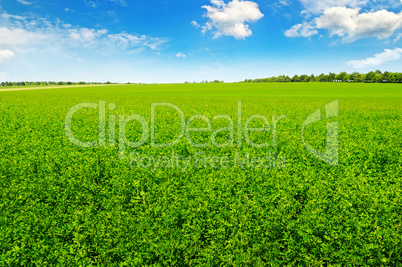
<point x="177" y="41"/>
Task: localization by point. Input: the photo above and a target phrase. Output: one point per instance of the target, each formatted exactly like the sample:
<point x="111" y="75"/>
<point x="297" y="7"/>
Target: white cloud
<point x="195" y="24"/>
<point x="352" y="25"/>
<point x="97" y="3"/>
<point x="24" y="2"/>
<point x="84" y="36"/>
<point x="318" y="6"/>
<point x="301" y="30"/>
<point x="378" y="59"/>
<point x="120" y="2"/>
<point x="90" y="3"/>
<point x="399" y="36"/>
<point x="23" y="33"/>
<point x="19" y="37"/>
<point x="126" y="40"/>
<point x="5" y="54"/>
<point x="180" y="54"/>
<point x="286" y="3"/>
<point x="230" y="19"/>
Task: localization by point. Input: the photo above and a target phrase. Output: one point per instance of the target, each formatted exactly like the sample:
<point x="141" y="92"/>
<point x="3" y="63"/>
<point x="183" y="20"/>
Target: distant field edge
<point x="29" y="88"/>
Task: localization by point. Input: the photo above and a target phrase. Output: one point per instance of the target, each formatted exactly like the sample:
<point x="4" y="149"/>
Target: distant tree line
<point x="4" y="84"/>
<point x="371" y="77"/>
<point x="215" y="81"/>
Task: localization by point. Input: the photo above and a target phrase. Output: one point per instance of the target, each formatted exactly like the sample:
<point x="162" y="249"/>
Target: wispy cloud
<point x="180" y="54"/>
<point x="90" y="3"/>
<point x="24" y="2"/>
<point x="318" y="6"/>
<point x="378" y="59"/>
<point x="284" y="2"/>
<point x="27" y="33"/>
<point x="301" y="30"/>
<point x="399" y="36"/>
<point x="195" y="24"/>
<point x="120" y="2"/>
<point x="97" y="3"/>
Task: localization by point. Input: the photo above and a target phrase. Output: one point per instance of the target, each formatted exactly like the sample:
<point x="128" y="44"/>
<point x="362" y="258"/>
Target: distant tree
<point x="386" y="76"/>
<point x="331" y="77"/>
<point x="343" y="76"/>
<point x="363" y="78"/>
<point x="352" y="77"/>
<point x="370" y="77"/>
<point x="399" y="77"/>
<point x="322" y="78"/>
<point x="303" y="78"/>
<point x="280" y="78"/>
<point x="359" y="78"/>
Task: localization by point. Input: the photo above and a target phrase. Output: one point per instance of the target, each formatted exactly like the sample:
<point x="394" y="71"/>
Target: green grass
<point x="296" y="90"/>
<point x="62" y="204"/>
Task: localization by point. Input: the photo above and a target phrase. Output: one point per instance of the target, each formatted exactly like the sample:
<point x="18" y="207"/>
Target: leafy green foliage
<point x="66" y="205"/>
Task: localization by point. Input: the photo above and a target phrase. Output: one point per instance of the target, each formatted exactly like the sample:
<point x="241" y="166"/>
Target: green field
<point x="69" y="205"/>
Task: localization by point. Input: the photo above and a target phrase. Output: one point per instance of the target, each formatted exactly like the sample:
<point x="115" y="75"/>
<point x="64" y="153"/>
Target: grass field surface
<point x="70" y="205"/>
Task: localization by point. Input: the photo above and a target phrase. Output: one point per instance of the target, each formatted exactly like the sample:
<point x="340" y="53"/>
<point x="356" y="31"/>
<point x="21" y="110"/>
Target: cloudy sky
<point x="195" y="40"/>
